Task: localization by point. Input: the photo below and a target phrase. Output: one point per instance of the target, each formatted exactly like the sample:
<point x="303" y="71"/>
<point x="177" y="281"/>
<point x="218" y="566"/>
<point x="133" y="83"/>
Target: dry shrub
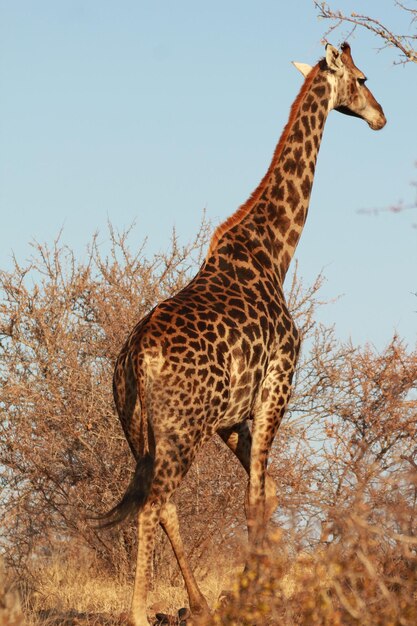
<point x="63" y="455"/>
<point x="344" y="459"/>
<point x="366" y="578"/>
<point x="67" y="582"/>
<point x="345" y="551"/>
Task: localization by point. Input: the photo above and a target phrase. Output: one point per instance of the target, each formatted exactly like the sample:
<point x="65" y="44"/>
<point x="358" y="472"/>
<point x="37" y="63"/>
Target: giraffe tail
<point x="135" y="495"/>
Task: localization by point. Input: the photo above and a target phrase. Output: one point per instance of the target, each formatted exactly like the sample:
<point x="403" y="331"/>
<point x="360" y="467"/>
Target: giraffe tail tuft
<point x="135" y="495"/>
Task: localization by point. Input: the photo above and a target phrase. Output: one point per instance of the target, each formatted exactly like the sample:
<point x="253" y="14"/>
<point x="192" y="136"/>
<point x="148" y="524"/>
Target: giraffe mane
<point x="245" y="208"/>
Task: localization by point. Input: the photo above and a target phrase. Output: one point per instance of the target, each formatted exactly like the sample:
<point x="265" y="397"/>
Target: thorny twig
<point x="404" y="43"/>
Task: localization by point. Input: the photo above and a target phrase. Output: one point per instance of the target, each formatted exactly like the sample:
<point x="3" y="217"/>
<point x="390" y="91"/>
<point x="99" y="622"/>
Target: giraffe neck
<point x="271" y="221"/>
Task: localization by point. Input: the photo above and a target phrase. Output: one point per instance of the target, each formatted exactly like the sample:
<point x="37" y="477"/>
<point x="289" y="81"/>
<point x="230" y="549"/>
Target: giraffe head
<point x="350" y="95"/>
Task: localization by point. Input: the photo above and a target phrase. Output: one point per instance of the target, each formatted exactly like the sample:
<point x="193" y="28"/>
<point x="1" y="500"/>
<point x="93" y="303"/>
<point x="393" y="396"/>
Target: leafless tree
<point x="346" y="447"/>
<point x="405" y="44"/>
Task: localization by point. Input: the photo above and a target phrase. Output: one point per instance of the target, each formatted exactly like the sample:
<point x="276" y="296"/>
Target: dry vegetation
<point x="343" y="548"/>
<point x="343" y="545"/>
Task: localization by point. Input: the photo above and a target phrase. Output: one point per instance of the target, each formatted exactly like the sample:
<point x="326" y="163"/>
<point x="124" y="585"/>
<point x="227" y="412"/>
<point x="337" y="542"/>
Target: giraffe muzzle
<point x="379" y="123"/>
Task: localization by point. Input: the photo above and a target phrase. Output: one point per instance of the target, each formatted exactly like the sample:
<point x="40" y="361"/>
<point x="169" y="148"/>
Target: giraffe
<point x="221" y="353"/>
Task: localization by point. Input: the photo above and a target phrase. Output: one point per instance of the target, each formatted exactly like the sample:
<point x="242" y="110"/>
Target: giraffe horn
<point x="347" y="55"/>
<point x="304" y="68"/>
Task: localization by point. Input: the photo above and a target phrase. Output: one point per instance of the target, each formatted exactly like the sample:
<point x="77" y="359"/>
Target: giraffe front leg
<point x="147" y="522"/>
<point x="269" y="411"/>
<point x="258" y="512"/>
<point x="239" y="439"/>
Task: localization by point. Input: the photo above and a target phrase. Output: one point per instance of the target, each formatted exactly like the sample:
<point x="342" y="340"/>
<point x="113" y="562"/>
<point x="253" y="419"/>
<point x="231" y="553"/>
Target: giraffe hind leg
<point x="148" y="518"/>
<point x="170" y="524"/>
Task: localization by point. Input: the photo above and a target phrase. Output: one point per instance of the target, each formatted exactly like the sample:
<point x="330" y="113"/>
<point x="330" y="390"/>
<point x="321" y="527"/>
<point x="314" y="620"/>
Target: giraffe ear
<point x="304" y="68"/>
<point x="333" y="59"/>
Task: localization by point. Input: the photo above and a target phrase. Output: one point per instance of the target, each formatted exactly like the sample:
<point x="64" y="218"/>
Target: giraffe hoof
<point x="225" y="598"/>
<point x="183" y="615"/>
<point x="162" y="619"/>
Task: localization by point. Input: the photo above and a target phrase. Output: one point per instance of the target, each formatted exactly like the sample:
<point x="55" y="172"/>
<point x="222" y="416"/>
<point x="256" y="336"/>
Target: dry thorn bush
<point x="366" y="577"/>
<point x="344" y="535"/>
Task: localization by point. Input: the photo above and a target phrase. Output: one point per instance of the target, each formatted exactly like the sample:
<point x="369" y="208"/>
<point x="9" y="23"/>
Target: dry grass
<point x="11" y="613"/>
<point x="364" y="577"/>
<point x="67" y="586"/>
<point x="64" y="588"/>
<point x="168" y="598"/>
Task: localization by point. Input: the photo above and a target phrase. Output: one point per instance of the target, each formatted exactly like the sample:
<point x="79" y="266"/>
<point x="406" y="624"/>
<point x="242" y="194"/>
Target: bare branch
<point x="404" y="43"/>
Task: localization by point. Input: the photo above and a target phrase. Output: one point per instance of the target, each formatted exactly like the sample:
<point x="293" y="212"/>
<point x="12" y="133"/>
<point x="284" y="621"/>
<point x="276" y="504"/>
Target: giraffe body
<point x="222" y="352"/>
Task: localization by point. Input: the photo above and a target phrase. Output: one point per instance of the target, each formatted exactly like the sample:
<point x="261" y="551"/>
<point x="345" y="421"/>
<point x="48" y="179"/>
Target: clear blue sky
<point x="153" y="110"/>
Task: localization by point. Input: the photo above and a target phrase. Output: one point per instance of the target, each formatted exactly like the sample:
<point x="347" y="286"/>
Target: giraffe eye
<point x="362" y="81"/>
